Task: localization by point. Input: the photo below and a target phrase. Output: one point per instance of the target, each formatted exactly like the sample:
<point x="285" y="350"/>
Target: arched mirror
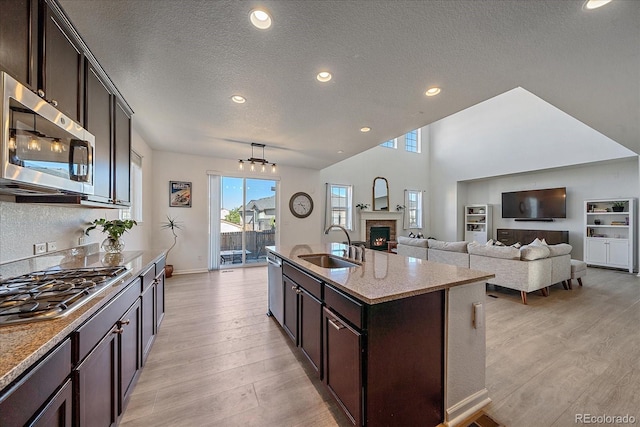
<point x="380" y="194"/>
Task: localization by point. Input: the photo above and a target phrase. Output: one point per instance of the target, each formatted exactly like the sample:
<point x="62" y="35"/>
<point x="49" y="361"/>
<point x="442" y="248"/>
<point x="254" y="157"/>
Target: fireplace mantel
<point x="378" y="215"/>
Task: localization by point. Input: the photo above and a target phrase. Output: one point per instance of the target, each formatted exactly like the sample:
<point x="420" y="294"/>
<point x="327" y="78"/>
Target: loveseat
<point x="529" y="268"/>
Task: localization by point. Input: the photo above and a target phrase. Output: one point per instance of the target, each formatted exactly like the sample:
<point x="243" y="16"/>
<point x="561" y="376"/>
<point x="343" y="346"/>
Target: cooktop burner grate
<point x="51" y="293"/>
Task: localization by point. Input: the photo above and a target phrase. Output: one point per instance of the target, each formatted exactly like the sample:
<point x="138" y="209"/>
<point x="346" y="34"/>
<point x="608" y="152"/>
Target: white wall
<point x="192" y="249"/>
<point x="600" y="180"/>
<point x="403" y="170"/>
<point x="513" y="133"/>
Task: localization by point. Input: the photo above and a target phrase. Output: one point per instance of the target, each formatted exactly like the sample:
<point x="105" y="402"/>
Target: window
<point x="392" y="143"/>
<point x="339" y="205"/>
<point x="135" y="210"/>
<point x="413" y="213"/>
<point x="412" y="141"/>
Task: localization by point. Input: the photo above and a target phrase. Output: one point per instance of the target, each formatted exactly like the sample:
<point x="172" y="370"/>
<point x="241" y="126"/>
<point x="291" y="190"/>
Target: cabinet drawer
<point x="22" y="401"/>
<point x="346" y="307"/>
<point x="309" y="283"/>
<point x="148" y="277"/>
<point x="89" y="334"/>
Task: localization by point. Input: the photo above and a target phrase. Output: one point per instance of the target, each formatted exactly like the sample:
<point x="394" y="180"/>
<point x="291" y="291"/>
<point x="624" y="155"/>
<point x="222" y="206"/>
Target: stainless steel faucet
<point x="341" y="228"/>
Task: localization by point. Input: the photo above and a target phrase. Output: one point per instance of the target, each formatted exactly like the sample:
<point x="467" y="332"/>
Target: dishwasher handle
<point x="274" y="261"/>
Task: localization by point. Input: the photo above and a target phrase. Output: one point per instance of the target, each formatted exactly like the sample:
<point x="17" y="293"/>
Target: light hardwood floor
<point x="220" y="361"/>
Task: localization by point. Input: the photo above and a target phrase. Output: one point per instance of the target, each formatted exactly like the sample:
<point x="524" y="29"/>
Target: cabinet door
<point x="159" y="299"/>
<point x="311" y="329"/>
<point x="148" y="321"/>
<point x="97" y="384"/>
<point x="596" y="251"/>
<point x="342" y="365"/>
<point x="58" y="411"/>
<point x="122" y="153"/>
<point x="618" y="252"/>
<point x="18" y="21"/>
<point x="130" y="354"/>
<point x="290" y="308"/>
<point x="98" y="122"/>
<point x="61" y="66"/>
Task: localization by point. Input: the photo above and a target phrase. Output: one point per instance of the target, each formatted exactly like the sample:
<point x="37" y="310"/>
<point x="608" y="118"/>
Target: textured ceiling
<point x="177" y="62"/>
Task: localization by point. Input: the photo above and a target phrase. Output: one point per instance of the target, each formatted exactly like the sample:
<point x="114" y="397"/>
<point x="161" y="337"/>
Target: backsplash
<point x="22" y="225"/>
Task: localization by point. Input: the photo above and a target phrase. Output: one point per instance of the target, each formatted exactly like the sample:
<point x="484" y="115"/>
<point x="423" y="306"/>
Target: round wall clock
<point x="301" y="205"/>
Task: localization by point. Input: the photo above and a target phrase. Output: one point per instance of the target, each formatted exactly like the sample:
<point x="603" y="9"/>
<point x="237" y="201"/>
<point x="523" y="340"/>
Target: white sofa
<point x="530" y="268"/>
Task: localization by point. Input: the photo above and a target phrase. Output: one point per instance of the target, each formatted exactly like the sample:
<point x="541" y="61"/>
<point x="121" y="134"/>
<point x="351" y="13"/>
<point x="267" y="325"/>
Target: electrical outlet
<point x="82" y="240"/>
<point x="39" y="248"/>
<point x="51" y="246"/>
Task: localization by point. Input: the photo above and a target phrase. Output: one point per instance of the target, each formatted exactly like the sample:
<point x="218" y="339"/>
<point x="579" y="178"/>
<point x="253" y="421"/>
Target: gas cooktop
<point x="50" y="294"/>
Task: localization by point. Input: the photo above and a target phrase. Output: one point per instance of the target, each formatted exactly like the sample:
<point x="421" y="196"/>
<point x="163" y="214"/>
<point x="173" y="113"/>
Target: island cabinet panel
<point x="23" y="400"/>
<point x="343" y="364"/>
<point x="405" y="361"/>
<point x="310" y="328"/>
<point x="290" y="323"/>
<point x="18" y="39"/>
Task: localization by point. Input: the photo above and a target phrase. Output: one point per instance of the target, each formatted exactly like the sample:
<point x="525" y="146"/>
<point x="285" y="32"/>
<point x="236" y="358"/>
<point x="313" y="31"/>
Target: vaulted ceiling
<point x="178" y="62"/>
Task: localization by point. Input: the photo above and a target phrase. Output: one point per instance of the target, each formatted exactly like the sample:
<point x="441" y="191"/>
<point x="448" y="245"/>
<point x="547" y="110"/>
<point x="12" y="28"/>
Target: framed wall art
<point x="179" y="194"/>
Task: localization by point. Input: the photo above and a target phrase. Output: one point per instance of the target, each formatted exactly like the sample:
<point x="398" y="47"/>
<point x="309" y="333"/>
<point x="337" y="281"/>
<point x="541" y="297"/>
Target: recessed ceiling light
<point x="365" y="129"/>
<point x="238" y="99"/>
<point x="260" y="19"/>
<point x="594" y="4"/>
<point x="432" y="91"/>
<point x="324" y="76"/>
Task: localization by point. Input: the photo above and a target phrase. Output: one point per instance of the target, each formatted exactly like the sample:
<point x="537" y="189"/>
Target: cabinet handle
<point x="125" y="322"/>
<point x="118" y="331"/>
<point x="298" y="291"/>
<point x="336" y="324"/>
<point x="40" y="93"/>
<point x="53" y="102"/>
<point x="293" y="288"/>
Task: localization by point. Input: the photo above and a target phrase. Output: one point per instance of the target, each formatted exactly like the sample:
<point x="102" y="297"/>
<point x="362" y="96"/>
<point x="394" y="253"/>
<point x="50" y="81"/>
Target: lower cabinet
<point x="58" y="412"/>
<point x="343" y="364"/>
<point x="290" y="323"/>
<point x="310" y="331"/>
<point x="607" y="252"/>
<point x="130" y="353"/>
<point x="148" y="320"/>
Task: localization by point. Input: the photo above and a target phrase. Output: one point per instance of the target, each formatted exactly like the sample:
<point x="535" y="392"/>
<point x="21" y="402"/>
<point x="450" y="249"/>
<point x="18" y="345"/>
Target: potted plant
<point x="173" y="225"/>
<point x="362" y="206"/>
<point x="618" y="207"/>
<point x="115" y="228"/>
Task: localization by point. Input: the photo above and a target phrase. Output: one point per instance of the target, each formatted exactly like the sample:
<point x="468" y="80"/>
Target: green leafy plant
<point x="115" y="228"/>
<point x="362" y="206"/>
<point x="173" y="225"/>
<point x="618" y="204"/>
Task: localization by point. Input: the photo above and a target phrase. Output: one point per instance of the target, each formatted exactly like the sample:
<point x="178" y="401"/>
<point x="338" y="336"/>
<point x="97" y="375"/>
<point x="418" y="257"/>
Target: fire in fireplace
<point x="378" y="237"/>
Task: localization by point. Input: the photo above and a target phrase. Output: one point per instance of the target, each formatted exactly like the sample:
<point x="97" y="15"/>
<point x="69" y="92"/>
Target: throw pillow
<point x="516" y="245"/>
<point x="489" y="243"/>
<point x="498" y="243"/>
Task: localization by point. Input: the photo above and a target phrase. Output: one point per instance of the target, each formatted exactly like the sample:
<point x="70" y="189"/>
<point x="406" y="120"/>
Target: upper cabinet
<point x="60" y="63"/>
<point x="18" y="40"/>
<point x="41" y="49"/>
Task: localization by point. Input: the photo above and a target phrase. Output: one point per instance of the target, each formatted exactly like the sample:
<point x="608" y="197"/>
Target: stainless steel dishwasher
<point x="276" y="298"/>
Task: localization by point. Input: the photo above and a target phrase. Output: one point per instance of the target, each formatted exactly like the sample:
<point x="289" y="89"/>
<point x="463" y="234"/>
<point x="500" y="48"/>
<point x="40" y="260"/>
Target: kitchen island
<point x="396" y="340"/>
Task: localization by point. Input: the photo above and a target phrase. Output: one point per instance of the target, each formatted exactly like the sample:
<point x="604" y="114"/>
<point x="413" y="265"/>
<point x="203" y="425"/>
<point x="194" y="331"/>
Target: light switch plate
<point x="51" y="246"/>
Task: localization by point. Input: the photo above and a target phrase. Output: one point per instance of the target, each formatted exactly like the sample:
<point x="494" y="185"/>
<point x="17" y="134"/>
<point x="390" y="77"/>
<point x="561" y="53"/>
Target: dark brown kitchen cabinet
<point x="40" y="392"/>
<point x="58" y="412"/>
<point x="343" y="364"/>
<point x="290" y="323"/>
<point x="97" y="378"/>
<point x="98" y="118"/>
<point x="18" y="39"/>
<point x="130" y="345"/>
<point x="310" y="328"/>
<point x="61" y="62"/>
<point x="108" y="351"/>
<point x="122" y="153"/>
<point x="159" y="284"/>
<point x="148" y="298"/>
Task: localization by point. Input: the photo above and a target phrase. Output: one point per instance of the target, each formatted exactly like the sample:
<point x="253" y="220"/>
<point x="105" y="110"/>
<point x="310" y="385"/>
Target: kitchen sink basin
<point x="328" y="261"/>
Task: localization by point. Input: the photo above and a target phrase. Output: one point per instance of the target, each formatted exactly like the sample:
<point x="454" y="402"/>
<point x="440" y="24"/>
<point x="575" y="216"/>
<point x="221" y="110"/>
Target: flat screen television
<point x="535" y="204"/>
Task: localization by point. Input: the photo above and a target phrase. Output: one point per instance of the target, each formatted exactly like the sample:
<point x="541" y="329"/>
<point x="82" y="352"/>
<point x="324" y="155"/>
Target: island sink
<point x="328" y="261"/>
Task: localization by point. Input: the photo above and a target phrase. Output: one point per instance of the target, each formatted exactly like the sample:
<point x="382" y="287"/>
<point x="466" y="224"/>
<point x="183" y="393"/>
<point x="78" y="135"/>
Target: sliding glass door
<point x="248" y="214"/>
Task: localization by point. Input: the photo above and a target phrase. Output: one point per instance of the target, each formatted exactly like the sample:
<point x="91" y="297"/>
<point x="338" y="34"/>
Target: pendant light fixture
<point x="257" y="161"/>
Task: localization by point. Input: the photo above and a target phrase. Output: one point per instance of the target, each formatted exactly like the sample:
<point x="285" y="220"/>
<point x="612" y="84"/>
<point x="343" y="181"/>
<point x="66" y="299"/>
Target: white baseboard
<point x="464" y="409"/>
<point x="197" y="270"/>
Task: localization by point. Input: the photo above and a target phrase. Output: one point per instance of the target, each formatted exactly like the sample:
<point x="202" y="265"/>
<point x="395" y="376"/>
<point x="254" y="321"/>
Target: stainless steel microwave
<point x="42" y="151"/>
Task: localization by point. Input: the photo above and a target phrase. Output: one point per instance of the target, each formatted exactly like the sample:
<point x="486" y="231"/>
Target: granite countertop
<point x="383" y="276"/>
<point x="21" y="345"/>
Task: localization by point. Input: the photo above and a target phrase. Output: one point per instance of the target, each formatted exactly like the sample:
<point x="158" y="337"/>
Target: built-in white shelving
<point x="610" y="236"/>
<point x="477" y="223"/>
